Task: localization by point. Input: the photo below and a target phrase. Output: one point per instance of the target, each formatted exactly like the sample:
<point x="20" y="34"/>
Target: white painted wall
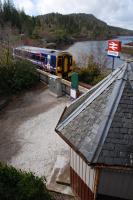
<point x="85" y="172"/>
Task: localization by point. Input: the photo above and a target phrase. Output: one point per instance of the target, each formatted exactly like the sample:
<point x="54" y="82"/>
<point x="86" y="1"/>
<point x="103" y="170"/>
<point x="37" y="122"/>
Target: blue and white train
<point x="54" y="61"/>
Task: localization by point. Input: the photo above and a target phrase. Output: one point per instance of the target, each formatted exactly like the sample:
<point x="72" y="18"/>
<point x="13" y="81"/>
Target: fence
<point x="57" y="85"/>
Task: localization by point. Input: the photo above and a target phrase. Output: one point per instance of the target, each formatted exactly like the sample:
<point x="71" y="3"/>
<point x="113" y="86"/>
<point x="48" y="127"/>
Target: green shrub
<point x="16" y="76"/>
<point x="87" y="75"/>
<point x="92" y="73"/>
<point x="127" y="50"/>
<point x="18" y="185"/>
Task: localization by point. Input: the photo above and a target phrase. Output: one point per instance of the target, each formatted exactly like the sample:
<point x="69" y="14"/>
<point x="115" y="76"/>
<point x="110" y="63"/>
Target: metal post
<point x="113" y="64"/>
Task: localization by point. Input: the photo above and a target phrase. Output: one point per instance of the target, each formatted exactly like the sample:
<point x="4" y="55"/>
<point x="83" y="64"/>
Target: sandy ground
<point x="27" y="137"/>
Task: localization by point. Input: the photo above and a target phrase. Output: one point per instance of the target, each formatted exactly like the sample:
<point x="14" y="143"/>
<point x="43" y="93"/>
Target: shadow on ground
<point x="22" y="108"/>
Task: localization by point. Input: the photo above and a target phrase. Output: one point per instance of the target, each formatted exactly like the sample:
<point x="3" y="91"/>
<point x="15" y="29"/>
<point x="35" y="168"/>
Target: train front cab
<point x="64" y="65"/>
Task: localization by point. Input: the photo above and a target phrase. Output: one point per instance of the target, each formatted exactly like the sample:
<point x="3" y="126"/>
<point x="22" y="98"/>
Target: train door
<point x="65" y="64"/>
<point x="53" y="64"/>
<point x="59" y="68"/>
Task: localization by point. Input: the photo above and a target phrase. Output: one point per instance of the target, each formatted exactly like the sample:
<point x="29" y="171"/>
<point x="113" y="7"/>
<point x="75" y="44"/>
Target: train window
<point x="33" y="56"/>
<point x="70" y="61"/>
<point x="53" y="62"/>
<point x="25" y="54"/>
<point x="38" y="57"/>
<point x="42" y="59"/>
<point x="30" y="54"/>
<point x="60" y="61"/>
<point x="17" y="52"/>
<point x="45" y="59"/>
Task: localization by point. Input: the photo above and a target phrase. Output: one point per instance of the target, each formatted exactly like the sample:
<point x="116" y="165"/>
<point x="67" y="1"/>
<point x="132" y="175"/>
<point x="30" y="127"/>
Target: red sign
<point x="114" y="47"/>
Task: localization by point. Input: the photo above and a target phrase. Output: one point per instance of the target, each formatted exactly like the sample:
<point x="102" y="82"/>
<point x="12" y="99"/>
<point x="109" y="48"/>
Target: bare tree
<point x="8" y="39"/>
<point x="99" y="53"/>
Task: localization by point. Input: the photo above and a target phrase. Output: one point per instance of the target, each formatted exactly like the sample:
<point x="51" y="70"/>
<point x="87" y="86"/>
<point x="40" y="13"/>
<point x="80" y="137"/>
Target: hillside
<point x="54" y="27"/>
<point x="85" y="26"/>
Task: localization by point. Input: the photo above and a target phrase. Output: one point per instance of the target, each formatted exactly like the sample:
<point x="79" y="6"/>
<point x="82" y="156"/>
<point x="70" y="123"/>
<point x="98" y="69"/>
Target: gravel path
<point x="27" y="137"/>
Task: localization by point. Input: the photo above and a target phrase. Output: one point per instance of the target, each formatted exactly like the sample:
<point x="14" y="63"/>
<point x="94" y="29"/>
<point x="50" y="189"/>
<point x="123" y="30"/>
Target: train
<point x="53" y="61"/>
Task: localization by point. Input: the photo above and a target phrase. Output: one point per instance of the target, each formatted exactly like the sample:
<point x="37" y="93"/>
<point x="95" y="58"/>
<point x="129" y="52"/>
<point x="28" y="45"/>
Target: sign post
<point x="114" y="49"/>
<point x="74" y="85"/>
<point x="113" y="64"/>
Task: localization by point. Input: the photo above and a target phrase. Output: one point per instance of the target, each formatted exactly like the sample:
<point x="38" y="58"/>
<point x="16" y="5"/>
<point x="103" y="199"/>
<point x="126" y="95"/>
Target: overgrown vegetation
<point x="92" y="73"/>
<point x="17" y="75"/>
<point x="127" y="50"/>
<point x="18" y="185"/>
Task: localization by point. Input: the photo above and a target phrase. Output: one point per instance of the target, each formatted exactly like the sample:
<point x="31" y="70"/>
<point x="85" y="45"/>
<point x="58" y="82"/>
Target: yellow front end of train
<point x="64" y="64"/>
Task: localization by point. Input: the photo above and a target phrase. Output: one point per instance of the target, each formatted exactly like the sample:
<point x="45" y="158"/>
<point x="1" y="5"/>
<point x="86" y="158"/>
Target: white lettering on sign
<point x="113" y="46"/>
<point x="113" y="53"/>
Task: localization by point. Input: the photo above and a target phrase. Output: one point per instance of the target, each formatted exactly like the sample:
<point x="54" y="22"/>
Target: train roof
<point x="42" y="50"/>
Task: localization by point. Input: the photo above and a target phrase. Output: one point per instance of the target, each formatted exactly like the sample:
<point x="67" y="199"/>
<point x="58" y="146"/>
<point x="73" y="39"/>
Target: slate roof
<point x="99" y="125"/>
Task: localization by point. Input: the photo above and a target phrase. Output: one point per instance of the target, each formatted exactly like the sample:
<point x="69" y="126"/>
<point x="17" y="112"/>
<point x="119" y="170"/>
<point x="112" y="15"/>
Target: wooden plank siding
<point x="82" y="177"/>
<point x="116" y="183"/>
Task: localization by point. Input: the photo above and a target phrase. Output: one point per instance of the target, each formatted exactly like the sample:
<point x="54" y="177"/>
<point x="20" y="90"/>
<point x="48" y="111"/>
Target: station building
<point x="98" y="127"/>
